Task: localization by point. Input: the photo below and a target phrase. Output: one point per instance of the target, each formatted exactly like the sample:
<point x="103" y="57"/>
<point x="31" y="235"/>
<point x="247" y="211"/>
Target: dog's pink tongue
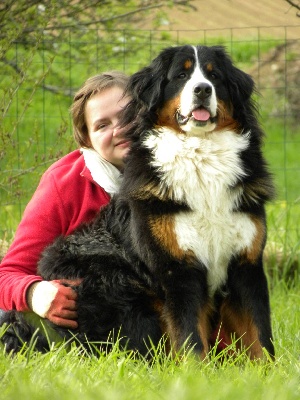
<point x="201" y="114"/>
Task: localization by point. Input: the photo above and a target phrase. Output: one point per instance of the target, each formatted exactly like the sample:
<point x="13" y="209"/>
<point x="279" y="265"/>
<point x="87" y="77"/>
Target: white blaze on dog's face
<point x="198" y="102"/>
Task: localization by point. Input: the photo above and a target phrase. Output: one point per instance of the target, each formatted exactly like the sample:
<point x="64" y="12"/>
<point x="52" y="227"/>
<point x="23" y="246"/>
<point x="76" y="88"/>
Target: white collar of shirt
<point x="102" y="171"/>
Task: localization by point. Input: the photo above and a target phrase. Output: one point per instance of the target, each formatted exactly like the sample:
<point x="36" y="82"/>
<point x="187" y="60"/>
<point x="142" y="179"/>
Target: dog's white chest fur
<point x="201" y="171"/>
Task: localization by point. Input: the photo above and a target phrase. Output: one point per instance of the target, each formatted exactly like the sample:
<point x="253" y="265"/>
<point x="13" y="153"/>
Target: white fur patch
<point x="200" y="171"/>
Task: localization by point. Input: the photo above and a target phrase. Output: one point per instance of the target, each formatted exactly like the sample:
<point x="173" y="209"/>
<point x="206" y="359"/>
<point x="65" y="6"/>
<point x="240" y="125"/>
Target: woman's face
<point x="102" y="118"/>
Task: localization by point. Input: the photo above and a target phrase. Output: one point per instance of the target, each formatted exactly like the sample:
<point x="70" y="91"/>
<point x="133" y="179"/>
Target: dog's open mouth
<point x="201" y="115"/>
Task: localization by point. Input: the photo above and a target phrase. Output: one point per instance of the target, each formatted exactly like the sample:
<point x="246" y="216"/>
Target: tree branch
<point x="104" y="21"/>
<point x="293" y="4"/>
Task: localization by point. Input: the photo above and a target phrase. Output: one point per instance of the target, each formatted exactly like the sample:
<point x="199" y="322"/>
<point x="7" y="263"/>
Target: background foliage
<point x="47" y="49"/>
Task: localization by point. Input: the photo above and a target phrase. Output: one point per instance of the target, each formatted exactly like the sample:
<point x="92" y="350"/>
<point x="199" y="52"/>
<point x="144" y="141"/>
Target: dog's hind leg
<point x="142" y="326"/>
<point x="23" y="328"/>
<point x="116" y="303"/>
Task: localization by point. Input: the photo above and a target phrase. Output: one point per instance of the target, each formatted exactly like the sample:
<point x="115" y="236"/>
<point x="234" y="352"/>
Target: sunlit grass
<point x="71" y="375"/>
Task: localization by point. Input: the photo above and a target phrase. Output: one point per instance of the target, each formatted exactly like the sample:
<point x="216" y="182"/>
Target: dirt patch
<point x="229" y="18"/>
<point x="279" y="70"/>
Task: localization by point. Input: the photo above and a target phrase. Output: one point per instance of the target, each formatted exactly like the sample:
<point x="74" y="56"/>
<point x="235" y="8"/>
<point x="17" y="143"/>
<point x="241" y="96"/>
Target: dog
<point x="179" y="250"/>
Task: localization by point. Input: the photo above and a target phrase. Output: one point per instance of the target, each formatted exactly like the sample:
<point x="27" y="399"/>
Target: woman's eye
<point x="101" y="127"/>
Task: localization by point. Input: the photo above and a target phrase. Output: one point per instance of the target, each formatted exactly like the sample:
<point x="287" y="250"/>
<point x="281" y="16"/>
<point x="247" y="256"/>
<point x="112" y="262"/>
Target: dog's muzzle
<point x="200" y="114"/>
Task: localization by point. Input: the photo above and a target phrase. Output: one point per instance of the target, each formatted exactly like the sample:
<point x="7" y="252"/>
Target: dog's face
<point x="191" y="98"/>
<point x="193" y="89"/>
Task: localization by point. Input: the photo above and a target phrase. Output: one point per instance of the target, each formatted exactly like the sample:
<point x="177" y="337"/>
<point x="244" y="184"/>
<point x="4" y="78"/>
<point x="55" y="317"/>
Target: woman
<point x="70" y="192"/>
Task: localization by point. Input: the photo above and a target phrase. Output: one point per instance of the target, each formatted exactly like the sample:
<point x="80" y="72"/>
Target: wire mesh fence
<point x="39" y="78"/>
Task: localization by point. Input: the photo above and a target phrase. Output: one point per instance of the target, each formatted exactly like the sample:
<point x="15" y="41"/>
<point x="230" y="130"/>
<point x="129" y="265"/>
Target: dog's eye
<point x="213" y="75"/>
<point x="182" y="75"/>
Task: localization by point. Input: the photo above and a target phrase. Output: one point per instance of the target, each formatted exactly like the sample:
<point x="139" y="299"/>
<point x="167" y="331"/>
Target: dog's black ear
<point x="240" y="84"/>
<point x="147" y="84"/>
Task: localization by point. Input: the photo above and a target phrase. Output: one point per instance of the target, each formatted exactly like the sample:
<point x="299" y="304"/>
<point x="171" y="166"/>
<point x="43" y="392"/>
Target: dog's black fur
<point x="141" y="278"/>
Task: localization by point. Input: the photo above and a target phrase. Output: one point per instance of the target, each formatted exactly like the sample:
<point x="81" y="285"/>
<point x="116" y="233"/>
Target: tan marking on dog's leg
<point x="204" y="328"/>
<point x="241" y="325"/>
<point x="158" y="307"/>
<point x="175" y="335"/>
<point x="171" y="331"/>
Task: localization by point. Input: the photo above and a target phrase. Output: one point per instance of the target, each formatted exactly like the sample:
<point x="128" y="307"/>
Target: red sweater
<point x="66" y="196"/>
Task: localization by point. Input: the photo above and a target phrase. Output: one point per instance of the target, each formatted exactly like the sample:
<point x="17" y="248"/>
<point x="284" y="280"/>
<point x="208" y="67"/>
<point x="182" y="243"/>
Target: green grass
<point x="72" y="375"/>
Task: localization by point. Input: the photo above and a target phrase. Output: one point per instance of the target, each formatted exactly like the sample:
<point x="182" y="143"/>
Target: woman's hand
<point x="55" y="301"/>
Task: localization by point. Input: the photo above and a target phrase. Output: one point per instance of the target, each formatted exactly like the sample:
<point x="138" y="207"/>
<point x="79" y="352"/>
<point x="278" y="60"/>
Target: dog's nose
<point x="202" y="90"/>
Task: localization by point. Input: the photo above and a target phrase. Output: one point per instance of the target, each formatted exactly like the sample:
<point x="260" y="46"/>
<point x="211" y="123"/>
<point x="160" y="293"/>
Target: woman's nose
<point x="118" y="130"/>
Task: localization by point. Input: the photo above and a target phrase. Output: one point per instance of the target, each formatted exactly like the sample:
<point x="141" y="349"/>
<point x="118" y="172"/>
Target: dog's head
<point x="193" y="90"/>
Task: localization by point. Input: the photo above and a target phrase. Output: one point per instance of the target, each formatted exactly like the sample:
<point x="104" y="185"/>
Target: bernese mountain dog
<point x="179" y="251"/>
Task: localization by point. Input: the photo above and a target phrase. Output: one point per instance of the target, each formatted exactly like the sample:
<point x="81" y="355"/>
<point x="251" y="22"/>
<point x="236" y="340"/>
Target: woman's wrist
<point x="40" y="296"/>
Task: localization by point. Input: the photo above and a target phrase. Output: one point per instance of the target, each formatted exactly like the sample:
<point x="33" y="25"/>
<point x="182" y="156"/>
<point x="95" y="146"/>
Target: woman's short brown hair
<point x="92" y="85"/>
